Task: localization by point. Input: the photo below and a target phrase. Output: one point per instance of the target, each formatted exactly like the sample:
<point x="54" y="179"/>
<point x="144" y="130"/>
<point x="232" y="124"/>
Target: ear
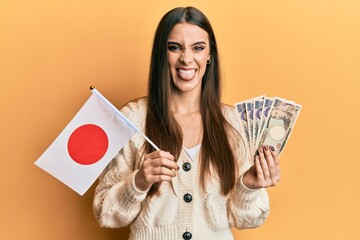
<point x="209" y="59"/>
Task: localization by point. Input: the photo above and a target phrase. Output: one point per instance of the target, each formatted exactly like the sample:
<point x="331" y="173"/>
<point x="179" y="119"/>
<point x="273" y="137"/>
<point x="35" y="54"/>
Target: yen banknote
<point x="267" y="121"/>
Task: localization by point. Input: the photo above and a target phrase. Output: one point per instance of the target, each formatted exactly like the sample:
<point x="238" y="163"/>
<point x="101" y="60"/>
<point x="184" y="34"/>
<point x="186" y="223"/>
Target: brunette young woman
<point x="203" y="181"/>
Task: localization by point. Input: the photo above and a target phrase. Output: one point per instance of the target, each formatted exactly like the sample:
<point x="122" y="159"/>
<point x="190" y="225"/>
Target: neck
<point x="185" y="103"/>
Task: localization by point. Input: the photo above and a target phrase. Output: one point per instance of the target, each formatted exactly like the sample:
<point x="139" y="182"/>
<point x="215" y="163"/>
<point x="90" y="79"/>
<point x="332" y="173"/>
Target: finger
<point x="164" y="162"/>
<point x="163" y="171"/>
<point x="160" y="154"/>
<point x="160" y="162"/>
<point x="275" y="155"/>
<point x="259" y="170"/>
<point x="263" y="164"/>
<point x="151" y="164"/>
<point x="159" y="159"/>
<point x="269" y="160"/>
<point x="276" y="158"/>
<point x="158" y="178"/>
<point x="273" y="168"/>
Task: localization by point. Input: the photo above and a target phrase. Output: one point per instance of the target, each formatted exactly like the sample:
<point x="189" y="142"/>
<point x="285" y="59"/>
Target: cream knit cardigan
<point x="209" y="215"/>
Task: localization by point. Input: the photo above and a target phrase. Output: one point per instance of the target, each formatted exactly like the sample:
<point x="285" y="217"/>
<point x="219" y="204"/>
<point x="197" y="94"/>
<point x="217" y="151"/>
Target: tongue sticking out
<point x="186" y="74"/>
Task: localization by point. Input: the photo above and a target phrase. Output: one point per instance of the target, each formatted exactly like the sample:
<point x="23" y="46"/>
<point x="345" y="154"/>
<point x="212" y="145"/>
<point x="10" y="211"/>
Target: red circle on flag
<point x="88" y="144"/>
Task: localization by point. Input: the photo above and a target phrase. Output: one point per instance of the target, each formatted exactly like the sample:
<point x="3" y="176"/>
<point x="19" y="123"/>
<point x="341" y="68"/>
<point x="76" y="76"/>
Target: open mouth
<point x="186" y="74"/>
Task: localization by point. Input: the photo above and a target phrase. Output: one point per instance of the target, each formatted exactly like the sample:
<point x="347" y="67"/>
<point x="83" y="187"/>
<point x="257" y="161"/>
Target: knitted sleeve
<point x="247" y="208"/>
<point x="117" y="201"/>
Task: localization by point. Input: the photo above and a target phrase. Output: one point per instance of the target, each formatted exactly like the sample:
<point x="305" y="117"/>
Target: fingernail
<point x="266" y="148"/>
<point x="272" y="148"/>
<point x="260" y="150"/>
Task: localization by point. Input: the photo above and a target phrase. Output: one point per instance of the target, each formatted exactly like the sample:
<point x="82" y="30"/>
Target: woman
<point x="202" y="183"/>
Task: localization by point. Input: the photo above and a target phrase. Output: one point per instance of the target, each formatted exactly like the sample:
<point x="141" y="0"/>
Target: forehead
<point x="188" y="33"/>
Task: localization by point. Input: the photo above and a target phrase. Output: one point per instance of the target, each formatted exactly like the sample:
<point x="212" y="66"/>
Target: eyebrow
<point x="202" y="42"/>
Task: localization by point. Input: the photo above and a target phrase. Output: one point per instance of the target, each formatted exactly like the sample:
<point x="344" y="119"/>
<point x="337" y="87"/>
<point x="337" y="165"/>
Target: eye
<point x="198" y="48"/>
<point x="174" y="48"/>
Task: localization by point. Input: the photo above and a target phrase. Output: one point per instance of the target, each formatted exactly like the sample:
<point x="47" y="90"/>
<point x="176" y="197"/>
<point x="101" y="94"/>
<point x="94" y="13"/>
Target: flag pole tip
<point x="92" y="87"/>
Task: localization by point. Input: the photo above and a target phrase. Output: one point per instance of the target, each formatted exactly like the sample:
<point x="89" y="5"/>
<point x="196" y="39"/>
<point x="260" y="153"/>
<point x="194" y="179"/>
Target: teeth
<point x="186" y="71"/>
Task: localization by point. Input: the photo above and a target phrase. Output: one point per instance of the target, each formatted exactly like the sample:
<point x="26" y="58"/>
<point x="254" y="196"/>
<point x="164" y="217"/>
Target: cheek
<point x="171" y="58"/>
<point x="202" y="61"/>
<point x="203" y="65"/>
<point x="170" y="61"/>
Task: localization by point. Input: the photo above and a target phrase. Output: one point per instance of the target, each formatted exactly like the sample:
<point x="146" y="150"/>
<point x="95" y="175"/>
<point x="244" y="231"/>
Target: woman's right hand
<point x="158" y="166"/>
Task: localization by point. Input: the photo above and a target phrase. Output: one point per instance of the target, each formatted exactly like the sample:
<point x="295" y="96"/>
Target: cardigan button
<point x="186" y="166"/>
<point x="187" y="235"/>
<point x="187" y="197"/>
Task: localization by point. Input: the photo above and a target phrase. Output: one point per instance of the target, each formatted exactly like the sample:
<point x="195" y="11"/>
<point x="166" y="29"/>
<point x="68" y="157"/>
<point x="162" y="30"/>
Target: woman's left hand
<point x="266" y="170"/>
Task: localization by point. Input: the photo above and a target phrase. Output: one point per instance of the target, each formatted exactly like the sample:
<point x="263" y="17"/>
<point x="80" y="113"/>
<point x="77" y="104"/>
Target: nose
<point x="186" y="57"/>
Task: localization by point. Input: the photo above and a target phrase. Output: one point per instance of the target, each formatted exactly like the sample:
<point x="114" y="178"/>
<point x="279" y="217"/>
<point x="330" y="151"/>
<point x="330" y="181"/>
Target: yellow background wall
<point x="51" y="51"/>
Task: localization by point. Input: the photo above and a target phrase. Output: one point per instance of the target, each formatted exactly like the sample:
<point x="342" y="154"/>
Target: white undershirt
<point x="191" y="152"/>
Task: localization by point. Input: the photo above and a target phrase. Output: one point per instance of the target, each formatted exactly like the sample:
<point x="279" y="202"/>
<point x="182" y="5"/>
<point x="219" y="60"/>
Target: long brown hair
<point x="161" y="125"/>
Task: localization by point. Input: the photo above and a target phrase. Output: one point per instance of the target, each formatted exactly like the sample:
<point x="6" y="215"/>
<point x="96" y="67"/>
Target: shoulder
<point x="230" y="114"/>
<point x="227" y="107"/>
<point x="135" y="110"/>
<point x="232" y="117"/>
<point x="135" y="106"/>
<point x="237" y="137"/>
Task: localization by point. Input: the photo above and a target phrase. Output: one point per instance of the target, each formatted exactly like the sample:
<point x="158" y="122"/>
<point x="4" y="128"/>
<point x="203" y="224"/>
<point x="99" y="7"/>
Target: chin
<point x="186" y="89"/>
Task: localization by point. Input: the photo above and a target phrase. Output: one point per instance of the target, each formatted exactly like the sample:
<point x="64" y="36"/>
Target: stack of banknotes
<point x="267" y="121"/>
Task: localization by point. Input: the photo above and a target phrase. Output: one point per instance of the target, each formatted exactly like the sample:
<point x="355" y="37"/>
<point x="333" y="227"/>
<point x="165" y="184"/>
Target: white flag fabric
<point x="88" y="143"/>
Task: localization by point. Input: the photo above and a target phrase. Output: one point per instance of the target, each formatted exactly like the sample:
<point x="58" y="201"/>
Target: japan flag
<point x="87" y="144"/>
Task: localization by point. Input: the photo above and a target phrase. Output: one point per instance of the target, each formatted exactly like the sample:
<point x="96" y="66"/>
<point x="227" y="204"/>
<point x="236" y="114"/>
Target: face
<point x="278" y="114"/>
<point x="188" y="53"/>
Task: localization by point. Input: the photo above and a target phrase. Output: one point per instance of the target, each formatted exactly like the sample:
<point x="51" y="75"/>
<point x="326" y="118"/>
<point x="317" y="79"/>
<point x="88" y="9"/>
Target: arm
<point x="248" y="208"/>
<point x="250" y="203"/>
<point x="117" y="201"/>
<point x="121" y="190"/>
